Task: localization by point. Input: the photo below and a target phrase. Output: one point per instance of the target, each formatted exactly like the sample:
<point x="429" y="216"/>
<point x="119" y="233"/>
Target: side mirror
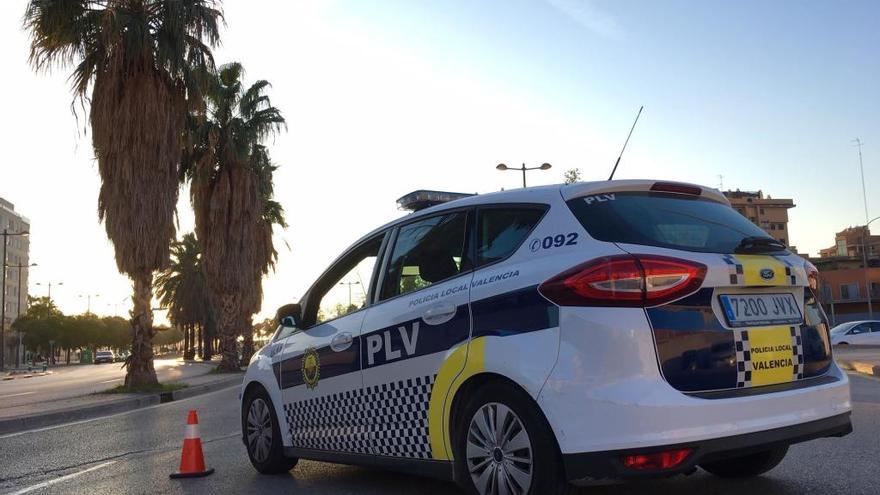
<point x="289" y="315"/>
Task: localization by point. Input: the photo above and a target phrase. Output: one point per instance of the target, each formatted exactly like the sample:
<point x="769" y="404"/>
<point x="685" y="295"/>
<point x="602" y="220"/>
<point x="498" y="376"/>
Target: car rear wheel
<point x="263" y="436"/>
<point x="503" y="445"/>
<point x="747" y="466"/>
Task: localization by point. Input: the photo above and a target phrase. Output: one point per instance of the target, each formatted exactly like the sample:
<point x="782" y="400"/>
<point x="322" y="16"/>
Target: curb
<point x="861" y="367"/>
<point x="61" y="416"/>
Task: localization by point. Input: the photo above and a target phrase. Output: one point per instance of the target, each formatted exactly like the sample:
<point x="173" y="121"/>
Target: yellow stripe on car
<point x="463" y="363"/>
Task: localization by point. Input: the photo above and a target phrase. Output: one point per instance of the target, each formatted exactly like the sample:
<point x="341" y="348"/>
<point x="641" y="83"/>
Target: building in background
<point x="768" y="213"/>
<point x="17" y="249"/>
<point x="849" y="243"/>
<point x="842" y="286"/>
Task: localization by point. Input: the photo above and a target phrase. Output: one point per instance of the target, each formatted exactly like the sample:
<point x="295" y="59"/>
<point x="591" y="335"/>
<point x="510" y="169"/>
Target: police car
<point x="520" y="341"/>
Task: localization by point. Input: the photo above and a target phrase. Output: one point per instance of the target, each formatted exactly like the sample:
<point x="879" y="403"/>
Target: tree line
<point x="45" y="329"/>
<point x="161" y="113"/>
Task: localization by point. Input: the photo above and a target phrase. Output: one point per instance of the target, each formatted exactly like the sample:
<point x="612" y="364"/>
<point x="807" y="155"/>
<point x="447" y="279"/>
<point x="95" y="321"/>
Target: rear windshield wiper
<point x="759" y="244"/>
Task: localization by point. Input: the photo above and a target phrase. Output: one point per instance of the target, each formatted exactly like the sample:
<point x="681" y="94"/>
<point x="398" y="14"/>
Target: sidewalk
<point x="862" y="359"/>
<point x="30" y="416"/>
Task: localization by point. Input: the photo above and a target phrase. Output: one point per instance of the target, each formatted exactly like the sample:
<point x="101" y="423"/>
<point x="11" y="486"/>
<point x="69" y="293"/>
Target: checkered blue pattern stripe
<point x="389" y="419"/>
<point x="797" y="351"/>
<point x="743" y="358"/>
<point x="735" y="269"/>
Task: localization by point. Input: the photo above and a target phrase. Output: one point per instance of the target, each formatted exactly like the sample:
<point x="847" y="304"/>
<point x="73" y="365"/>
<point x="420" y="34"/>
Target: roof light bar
<point x="421" y="199"/>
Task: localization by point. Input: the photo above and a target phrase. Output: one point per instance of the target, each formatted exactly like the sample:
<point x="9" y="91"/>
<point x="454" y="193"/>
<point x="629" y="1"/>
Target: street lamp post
<point x="6" y="235"/>
<point x="18" y="310"/>
<point x="865" y="267"/>
<point x="349" y="284"/>
<point x="88" y="301"/>
<point x="49" y="302"/>
<point x="544" y="166"/>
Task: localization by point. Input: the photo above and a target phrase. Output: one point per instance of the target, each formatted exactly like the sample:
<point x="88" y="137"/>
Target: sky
<point x="385" y="97"/>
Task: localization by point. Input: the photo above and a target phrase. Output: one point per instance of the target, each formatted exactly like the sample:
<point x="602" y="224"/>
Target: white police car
<point x="523" y="340"/>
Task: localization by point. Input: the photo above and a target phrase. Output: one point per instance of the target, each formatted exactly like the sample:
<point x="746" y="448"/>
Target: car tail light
<point x="672" y="187"/>
<point x="656" y="461"/>
<point x="625" y="280"/>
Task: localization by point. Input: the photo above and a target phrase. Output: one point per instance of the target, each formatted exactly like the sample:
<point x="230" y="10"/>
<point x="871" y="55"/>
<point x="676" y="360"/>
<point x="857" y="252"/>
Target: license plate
<point x="754" y="310"/>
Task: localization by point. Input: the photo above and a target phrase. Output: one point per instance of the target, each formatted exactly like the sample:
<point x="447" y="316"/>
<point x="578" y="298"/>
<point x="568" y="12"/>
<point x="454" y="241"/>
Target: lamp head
<point x="545" y="166"/>
<point x="501" y="166"/>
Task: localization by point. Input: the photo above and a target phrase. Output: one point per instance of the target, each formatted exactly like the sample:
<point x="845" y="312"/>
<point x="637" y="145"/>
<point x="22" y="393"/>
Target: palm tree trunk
<point x="140" y="363"/>
<point x="197" y="337"/>
<point x="247" y="349"/>
<point x="228" y="333"/>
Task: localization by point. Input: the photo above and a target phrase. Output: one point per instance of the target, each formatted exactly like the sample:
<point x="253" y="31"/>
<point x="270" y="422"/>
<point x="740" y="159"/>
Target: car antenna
<point x="625" y="143"/>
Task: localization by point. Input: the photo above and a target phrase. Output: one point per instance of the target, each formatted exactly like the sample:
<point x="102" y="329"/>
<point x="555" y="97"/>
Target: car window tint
<point x="875" y="326"/>
<point x="858" y="329"/>
<point x="672" y="221"/>
<point x="345" y="287"/>
<point x="426" y="252"/>
<point x="502" y="230"/>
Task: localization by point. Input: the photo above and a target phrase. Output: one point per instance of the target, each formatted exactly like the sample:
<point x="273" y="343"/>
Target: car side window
<point x="345" y="287"/>
<point x="426" y="252"/>
<point x="858" y="329"/>
<point x="500" y="231"/>
<point x="875" y="326"/>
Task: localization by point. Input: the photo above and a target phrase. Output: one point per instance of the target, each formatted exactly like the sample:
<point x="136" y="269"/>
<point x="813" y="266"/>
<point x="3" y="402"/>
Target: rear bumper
<point x="608" y="465"/>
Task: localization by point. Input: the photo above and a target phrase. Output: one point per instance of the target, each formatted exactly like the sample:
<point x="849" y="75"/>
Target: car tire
<point x="747" y="466"/>
<point x="262" y="435"/>
<point x="519" y="414"/>
<point x="843" y="343"/>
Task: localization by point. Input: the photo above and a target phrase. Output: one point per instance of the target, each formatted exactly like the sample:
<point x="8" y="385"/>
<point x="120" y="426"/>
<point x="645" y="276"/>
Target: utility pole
<point x="18" y="311"/>
<point x="865" y="233"/>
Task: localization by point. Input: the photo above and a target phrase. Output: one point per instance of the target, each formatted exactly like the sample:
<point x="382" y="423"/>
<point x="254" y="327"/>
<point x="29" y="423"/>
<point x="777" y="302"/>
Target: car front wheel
<point x="263" y="436"/>
<point x="747" y="466"/>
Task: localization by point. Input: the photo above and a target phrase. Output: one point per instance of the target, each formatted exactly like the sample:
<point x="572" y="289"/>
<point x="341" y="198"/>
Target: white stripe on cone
<point x="192" y="432"/>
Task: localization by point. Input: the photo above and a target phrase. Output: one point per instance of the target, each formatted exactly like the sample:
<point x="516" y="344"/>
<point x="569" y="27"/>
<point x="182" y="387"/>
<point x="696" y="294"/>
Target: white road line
<point x="99" y="418"/>
<point x="113" y="380"/>
<point x="62" y="479"/>
<point x="15" y="395"/>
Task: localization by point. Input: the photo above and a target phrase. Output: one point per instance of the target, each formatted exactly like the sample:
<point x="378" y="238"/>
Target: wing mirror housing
<point x="289" y="315"/>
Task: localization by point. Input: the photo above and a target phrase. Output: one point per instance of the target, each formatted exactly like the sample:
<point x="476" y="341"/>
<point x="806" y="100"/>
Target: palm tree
<point x="230" y="175"/>
<point x="182" y="291"/>
<point x="137" y="64"/>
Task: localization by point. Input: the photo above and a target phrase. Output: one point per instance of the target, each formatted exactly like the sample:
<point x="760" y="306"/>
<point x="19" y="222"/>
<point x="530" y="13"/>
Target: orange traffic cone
<point x="192" y="461"/>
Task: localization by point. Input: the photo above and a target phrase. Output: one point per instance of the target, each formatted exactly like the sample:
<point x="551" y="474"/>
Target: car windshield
<point x="839" y="329"/>
<point x="673" y="221"/>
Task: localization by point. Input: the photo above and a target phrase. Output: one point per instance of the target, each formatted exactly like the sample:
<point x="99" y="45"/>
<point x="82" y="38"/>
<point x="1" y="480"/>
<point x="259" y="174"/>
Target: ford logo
<point x="767" y="273"/>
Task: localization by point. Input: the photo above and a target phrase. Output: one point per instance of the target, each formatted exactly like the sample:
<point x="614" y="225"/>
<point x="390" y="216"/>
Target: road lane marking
<point x="73" y="423"/>
<point x="62" y="479"/>
<point x="113" y="380"/>
<point x="15" y="395"/>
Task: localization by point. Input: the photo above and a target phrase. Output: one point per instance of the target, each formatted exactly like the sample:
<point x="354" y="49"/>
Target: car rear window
<point x="666" y="220"/>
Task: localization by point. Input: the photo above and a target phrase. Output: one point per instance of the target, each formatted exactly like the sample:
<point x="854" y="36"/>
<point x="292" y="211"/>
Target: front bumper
<point x="607" y="465"/>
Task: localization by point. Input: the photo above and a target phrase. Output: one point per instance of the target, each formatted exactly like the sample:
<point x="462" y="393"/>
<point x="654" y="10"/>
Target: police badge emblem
<point x="311" y="368"/>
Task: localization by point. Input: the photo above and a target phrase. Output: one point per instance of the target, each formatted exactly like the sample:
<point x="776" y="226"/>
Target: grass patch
<point x="152" y="389"/>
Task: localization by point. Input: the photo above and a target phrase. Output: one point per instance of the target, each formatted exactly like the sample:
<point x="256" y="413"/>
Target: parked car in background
<point x="121" y="356"/>
<point x="104" y="357"/>
<point x="865" y="332"/>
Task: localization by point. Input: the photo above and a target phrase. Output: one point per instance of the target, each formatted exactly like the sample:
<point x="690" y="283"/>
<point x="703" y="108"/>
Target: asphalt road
<point x="78" y="380"/>
<point x="134" y="452"/>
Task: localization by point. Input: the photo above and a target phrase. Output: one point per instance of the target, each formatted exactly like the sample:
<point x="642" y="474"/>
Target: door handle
<point x="439" y="313"/>
<point x="341" y="342"/>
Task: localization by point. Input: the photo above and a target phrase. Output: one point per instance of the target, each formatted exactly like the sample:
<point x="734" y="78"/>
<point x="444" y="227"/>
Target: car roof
<point x="542" y="194"/>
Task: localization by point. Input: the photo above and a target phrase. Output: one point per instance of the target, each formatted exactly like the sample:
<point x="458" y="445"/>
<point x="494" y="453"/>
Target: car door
<point x="874" y="338"/>
<point x="859" y="333"/>
<point x="421" y="315"/>
<point x="319" y="370"/>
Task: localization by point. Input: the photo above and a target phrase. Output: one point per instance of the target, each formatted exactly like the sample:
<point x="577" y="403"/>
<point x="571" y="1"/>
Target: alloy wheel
<point x="259" y="430"/>
<point x="499" y="452"/>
